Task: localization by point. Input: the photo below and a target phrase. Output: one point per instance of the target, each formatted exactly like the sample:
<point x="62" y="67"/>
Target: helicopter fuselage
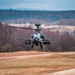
<point x="37" y="39"/>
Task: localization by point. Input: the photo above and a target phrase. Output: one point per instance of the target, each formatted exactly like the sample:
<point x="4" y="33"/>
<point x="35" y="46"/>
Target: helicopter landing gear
<point x="41" y="45"/>
<point x="37" y="44"/>
<point x="32" y="46"/>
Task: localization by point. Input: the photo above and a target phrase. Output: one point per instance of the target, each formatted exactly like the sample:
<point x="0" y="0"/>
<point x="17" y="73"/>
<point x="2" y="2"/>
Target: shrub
<point x="6" y="48"/>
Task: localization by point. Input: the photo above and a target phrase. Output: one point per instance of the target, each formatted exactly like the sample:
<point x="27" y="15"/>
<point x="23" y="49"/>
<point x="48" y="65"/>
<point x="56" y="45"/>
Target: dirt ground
<point x="36" y="63"/>
<point x="64" y="72"/>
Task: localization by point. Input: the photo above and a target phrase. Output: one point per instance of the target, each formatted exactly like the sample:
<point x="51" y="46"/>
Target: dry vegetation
<point x="36" y="66"/>
<point x="13" y="39"/>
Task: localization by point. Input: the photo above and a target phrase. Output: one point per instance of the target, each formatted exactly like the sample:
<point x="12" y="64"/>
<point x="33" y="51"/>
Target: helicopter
<point x="37" y="39"/>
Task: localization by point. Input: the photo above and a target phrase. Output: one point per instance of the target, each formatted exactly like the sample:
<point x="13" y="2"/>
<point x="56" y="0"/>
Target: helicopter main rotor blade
<point x="21" y="27"/>
<point x="38" y="29"/>
<point x="53" y="28"/>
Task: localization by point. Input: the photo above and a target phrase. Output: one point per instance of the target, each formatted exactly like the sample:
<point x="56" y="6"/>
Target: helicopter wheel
<point x="32" y="46"/>
<point x="41" y="46"/>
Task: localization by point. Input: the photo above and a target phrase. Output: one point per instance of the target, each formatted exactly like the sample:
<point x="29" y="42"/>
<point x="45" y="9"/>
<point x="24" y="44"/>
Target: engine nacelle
<point x="28" y="41"/>
<point x="47" y="41"/>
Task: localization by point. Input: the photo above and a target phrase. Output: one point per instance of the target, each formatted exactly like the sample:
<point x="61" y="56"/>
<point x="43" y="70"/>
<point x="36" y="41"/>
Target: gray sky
<point x="38" y="4"/>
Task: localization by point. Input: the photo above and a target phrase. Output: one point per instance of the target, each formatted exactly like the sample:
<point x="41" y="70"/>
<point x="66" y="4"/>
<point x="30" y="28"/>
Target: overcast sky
<point x="38" y="4"/>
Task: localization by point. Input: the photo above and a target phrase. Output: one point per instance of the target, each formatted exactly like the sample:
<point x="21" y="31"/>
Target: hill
<point x="46" y="17"/>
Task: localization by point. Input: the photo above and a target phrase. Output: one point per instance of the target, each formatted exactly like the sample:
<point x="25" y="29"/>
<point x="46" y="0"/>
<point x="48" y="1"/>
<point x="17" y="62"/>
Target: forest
<point x="44" y="17"/>
<point x="13" y="39"/>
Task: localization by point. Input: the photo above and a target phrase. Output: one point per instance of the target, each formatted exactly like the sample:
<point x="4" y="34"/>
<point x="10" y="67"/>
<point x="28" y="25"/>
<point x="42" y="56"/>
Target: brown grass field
<point x="44" y="63"/>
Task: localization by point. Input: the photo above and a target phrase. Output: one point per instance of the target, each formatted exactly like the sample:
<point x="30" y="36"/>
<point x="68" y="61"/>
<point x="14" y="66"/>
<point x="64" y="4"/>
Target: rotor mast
<point x="37" y="25"/>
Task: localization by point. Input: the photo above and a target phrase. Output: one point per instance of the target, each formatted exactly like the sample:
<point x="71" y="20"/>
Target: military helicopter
<point x="37" y="39"/>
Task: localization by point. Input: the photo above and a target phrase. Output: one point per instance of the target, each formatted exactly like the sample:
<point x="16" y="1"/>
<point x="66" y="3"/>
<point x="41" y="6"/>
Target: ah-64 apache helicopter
<point x="37" y="39"/>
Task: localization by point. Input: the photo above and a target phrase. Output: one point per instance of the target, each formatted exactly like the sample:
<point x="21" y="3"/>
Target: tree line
<point x="13" y="39"/>
<point x="46" y="17"/>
